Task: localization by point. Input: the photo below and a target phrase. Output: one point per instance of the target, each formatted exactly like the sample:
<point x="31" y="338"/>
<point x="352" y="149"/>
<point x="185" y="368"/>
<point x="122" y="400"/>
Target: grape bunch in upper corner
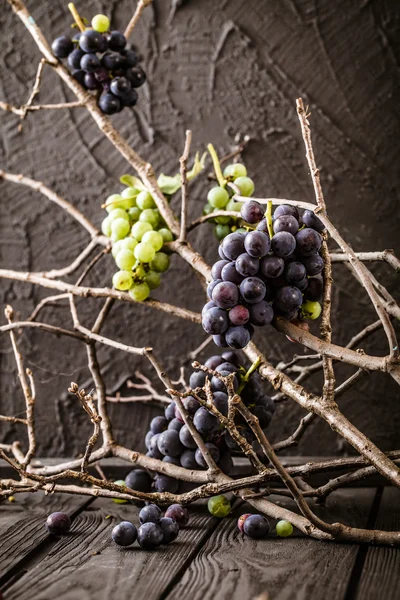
<point x="269" y="267"/>
<point x="100" y="61"/>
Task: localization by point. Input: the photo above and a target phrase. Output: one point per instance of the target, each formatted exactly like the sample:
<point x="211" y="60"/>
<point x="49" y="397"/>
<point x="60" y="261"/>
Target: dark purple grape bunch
<point x="260" y="276"/>
<point x="170" y="440"/>
<point x="100" y="61"/>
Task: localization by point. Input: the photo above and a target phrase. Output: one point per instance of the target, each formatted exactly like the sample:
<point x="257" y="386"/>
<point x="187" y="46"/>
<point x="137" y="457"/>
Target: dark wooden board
<point x="380" y="577"/>
<point x="87" y="564"/>
<point x="233" y="566"/>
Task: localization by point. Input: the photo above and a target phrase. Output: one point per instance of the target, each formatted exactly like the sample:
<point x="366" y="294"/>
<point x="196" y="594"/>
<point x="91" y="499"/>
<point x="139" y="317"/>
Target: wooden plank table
<point x="209" y="560"/>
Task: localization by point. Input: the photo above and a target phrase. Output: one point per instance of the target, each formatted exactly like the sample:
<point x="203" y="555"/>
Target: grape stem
<point x="251" y="370"/>
<point x="217" y="166"/>
<point x="77" y="18"/>
<point x="268" y="216"/>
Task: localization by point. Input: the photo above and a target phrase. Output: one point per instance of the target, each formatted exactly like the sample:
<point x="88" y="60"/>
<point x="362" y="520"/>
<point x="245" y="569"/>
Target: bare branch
<point x="136" y="16"/>
<point x="184" y="184"/>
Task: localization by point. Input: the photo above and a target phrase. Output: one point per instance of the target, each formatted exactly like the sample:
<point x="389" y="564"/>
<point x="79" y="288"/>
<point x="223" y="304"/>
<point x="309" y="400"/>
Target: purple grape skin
<point x="225" y="295"/>
<point x="271" y="266"/>
<point x="263" y="226"/>
<point x="220" y="341"/>
<point x="286" y="223"/>
<point x="233" y="245"/>
<point x="218" y="385"/>
<point x="169" y="443"/>
<point x="283" y="244"/>
<point x="170" y="529"/>
<point x="285" y="209"/>
<point x="172" y="460"/>
<point x="158" y="424"/>
<point x="211" y="286"/>
<point x="231" y="357"/>
<point x="238" y="337"/>
<point x="62" y="46"/>
<point x="79" y="75"/>
<point x="169" y="412"/>
<point x="191" y="404"/>
<point x="247" y="265"/>
<point x="314" y="289"/>
<point x="112" y="61"/>
<point x="74" y="58"/>
<point x="303" y="284"/>
<point x="205" y="422"/>
<point x="89" y="63"/>
<point x="207" y="307"/>
<point x="109" y="103"/>
<point x="263" y="415"/>
<point x="253" y="290"/>
<point x="90" y="41"/>
<point x="139" y="480"/>
<point x="288" y="298"/>
<point x="153" y="447"/>
<point x="197" y="379"/>
<point x="256" y="526"/>
<point x="314" y="264"/>
<point x="311" y="220"/>
<point x="188" y="459"/>
<point x="150" y="536"/>
<point x="257" y="243"/>
<point x="164" y="483"/>
<point x="295" y="272"/>
<point x="116" y="40"/>
<point x="229" y="273"/>
<point x="227" y="366"/>
<point x="308" y="242"/>
<point x="215" y="321"/>
<point x="261" y="313"/>
<point x="217" y="268"/>
<point x="58" y="523"/>
<point x="266" y="401"/>
<point x="221" y="253"/>
<point x="225" y="463"/>
<point x="147" y="439"/>
<point x="212" y="448"/>
<point x="213" y="361"/>
<point x="179" y="513"/>
<point x="136" y="76"/>
<point x="186" y="438"/>
<point x="252" y="212"/>
<point x="151" y="513"/>
<point x="124" y="534"/>
<point x="91" y="82"/>
<point x="239" y="315"/>
<point x="220" y="401"/>
<point x="175" y="424"/>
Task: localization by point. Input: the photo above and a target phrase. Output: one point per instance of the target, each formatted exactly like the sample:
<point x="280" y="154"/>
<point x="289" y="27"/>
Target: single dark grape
<point x="310" y="219"/>
<point x="221" y="253"/>
<point x="205" y="422"/>
<point x="175" y="424"/>
<point x="271" y="267"/>
<point x="212" y="448"/>
<point x="207" y="307"/>
<point x="227" y="366"/>
<point x="239" y="315"/>
<point x="308" y="242"/>
<point x="186" y="438"/>
<point x="217" y="268"/>
<point x="124" y="534"/>
<point x="89" y="63"/>
<point x="246" y="265"/>
<point x="58" y="523"/>
<point x="139" y="480"/>
<point x="131" y="58"/>
<point x="188" y="459"/>
<point x="147" y="439"/>
<point x="191" y="404"/>
<point x="62" y="46"/>
<point x="295" y="272"/>
<point x="169" y="528"/>
<point x="253" y="290"/>
<point x="231" y="357"/>
<point x="252" y="212"/>
<point x="197" y="379"/>
<point x="169" y="443"/>
<point x="90" y="81"/>
<point x="136" y="76"/>
<point x="286" y="223"/>
<point x="233" y="245"/>
<point x="257" y="243"/>
<point x="220" y="400"/>
<point x="218" y="385"/>
<point x="285" y="209"/>
<point x="172" y="460"/>
<point x="109" y="104"/>
<point x="150" y="536"/>
<point x="163" y="483"/>
<point x="116" y="41"/>
<point x="225" y="463"/>
<point x="79" y="75"/>
<point x="153" y="447"/>
<point x="263" y="226"/>
<point x="256" y="526"/>
<point x="215" y="321"/>
<point x="220" y="341"/>
<point x="130" y="99"/>
<point x="314" y="289"/>
<point x="179" y="513"/>
<point x="102" y="75"/>
<point x="261" y="313"/>
<point x="170" y="411"/>
<point x="158" y="424"/>
<point x="314" y="264"/>
<point x="151" y="513"/>
<point x="74" y="59"/>
<point x="211" y="286"/>
<point x="238" y="337"/>
<point x="225" y="295"/>
<point x="121" y="87"/>
<point x="213" y="361"/>
<point x="303" y="284"/>
<point x="229" y="273"/>
<point x="91" y="41"/>
<point x="288" y="298"/>
<point x="283" y="244"/>
<point x="112" y="61"/>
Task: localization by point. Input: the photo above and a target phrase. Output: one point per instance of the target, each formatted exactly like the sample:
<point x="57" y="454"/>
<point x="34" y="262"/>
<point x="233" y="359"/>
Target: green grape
<point x="117" y="247"/>
<point x="234" y="206"/>
<point x="151" y="216"/>
<point x="125" y="260"/>
<point x="219" y="506"/>
<point x="154" y="238"/>
<point x="128" y="243"/>
<point x="114" y="201"/>
<point x="106" y="227"/>
<point x="218" y="197"/>
<point x="119" y="500"/>
<point x="245" y="185"/>
<point x="101" y="23"/>
<point x="236" y="170"/>
<point x="160" y="263"/>
<point x="207" y="209"/>
<point x="284" y="528"/>
<point x="222" y="220"/>
<point x="145" y="200"/>
<point x="140" y="272"/>
<point x="144" y="252"/>
<point x="134" y="213"/>
<point x="166" y="234"/>
<point x="119" y="229"/>
<point x="118" y="213"/>
<point x="311" y="310"/>
<point x="139" y="291"/>
<point x="130" y="193"/>
<point x="139" y="229"/>
<point x="222" y="231"/>
<point x="122" y="280"/>
<point x="153" y="279"/>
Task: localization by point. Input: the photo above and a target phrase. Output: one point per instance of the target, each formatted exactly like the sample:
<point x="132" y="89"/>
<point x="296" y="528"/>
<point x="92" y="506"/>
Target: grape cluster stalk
<point x="286" y="379"/>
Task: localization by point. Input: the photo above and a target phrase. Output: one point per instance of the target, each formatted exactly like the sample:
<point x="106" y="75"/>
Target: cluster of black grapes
<point x="260" y="276"/>
<point x="170" y="440"/>
<point x="100" y="60"/>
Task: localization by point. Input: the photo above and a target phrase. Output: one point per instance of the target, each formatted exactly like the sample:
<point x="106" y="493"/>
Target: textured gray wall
<point x="220" y="68"/>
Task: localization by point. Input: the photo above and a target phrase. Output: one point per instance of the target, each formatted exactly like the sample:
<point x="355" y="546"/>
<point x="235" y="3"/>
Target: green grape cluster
<point x="221" y="198"/>
<point x="138" y="234"/>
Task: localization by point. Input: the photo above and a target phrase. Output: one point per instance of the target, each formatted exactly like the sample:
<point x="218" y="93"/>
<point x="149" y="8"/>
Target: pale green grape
<point x="140" y="272"/>
<point x="311" y="310"/>
<point x="166" y="234"/>
<point x="129" y="243"/>
<point x="151" y="216"/>
<point x="130" y="193"/>
<point x="101" y="23"/>
<point x="154" y="238"/>
<point x="114" y="201"/>
<point x="153" y="279"/>
<point x="236" y="170"/>
<point x="144" y="252"/>
<point x="118" y="213"/>
<point x="106" y="227"/>
<point x="145" y="200"/>
<point x="234" y="206"/>
<point x="125" y="260"/>
<point x="284" y="528"/>
<point x="139" y="229"/>
<point x="139" y="291"/>
<point x="218" y="197"/>
<point x="122" y="280"/>
<point x="134" y="213"/>
<point x="160" y="263"/>
<point x="245" y="185"/>
<point x="119" y="229"/>
<point x="117" y="247"/>
<point x="219" y="506"/>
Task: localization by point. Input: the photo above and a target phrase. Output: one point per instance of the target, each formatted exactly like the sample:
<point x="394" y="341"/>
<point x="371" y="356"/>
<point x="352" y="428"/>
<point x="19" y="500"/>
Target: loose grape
<point x="119" y="228"/>
<point x="170" y="529"/>
<point x="139" y="480"/>
<point x="145" y="200"/>
<point x="125" y="533"/>
<point x="154" y="239"/>
<point x="125" y="259"/>
<point x="245" y="185"/>
<point x="101" y="23"/>
<point x="139" y="229"/>
<point x="117" y="213"/>
<point x="150" y="513"/>
<point x="150" y="536"/>
<point x="179" y="513"/>
<point x="219" y="506"/>
<point x="144" y="252"/>
<point x="151" y="216"/>
<point x="58" y="523"/>
<point x="235" y="170"/>
<point x="218" y="197"/>
<point x="284" y="528"/>
<point x="241" y="521"/>
<point x="311" y="310"/>
<point x="256" y="526"/>
<point x="153" y="279"/>
<point x="120" y="500"/>
<point x="139" y="291"/>
<point x="160" y="263"/>
<point x="106" y="227"/>
<point x="134" y="213"/>
<point x="166" y="234"/>
<point x="122" y="280"/>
